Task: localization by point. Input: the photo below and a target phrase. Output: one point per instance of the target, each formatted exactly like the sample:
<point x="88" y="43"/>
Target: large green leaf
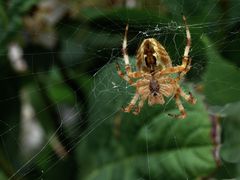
<point x="221" y="80"/>
<point x="231" y="146"/>
<point x="229" y="152"/>
<point x="151" y="145"/>
<point x="222" y="89"/>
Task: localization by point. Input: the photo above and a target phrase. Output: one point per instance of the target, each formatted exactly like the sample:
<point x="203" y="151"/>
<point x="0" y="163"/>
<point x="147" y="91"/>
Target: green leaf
<point x="229" y="152"/>
<point x="58" y="91"/>
<point x="222" y="87"/>
<point x="231" y="124"/>
<point x="221" y="79"/>
<point x="151" y="145"/>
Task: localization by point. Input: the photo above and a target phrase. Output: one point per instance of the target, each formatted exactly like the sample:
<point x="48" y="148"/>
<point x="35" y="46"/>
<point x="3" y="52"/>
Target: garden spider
<point x="153" y="76"/>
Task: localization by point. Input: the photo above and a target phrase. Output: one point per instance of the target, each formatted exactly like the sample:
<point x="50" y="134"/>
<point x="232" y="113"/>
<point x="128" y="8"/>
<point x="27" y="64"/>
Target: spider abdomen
<point x="151" y="56"/>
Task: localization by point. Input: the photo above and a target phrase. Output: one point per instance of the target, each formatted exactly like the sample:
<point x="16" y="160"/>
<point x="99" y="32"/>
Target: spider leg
<point x="128" y="68"/>
<point x="143" y="97"/>
<point x="182" y="69"/>
<point x="126" y="58"/>
<point x="122" y="75"/>
<point x="182" y="114"/>
<point x="185" y="67"/>
<point x="185" y="70"/>
<point x="131" y="75"/>
<point x="186" y="61"/>
<point x="132" y="103"/>
<point x="124" y="51"/>
<point x="140" y="105"/>
<point x="188" y="97"/>
<point x="140" y="83"/>
<point x="167" y="80"/>
<point x="188" y="46"/>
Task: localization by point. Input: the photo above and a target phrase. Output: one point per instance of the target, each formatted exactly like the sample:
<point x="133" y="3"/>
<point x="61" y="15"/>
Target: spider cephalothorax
<point x="153" y="77"/>
<point x="154" y="87"/>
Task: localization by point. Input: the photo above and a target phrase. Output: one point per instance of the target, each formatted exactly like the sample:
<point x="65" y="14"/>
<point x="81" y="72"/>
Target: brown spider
<point x="153" y="76"/>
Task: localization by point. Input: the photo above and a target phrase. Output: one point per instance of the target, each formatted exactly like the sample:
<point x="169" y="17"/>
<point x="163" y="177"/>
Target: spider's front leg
<point x="129" y="74"/>
<point x="128" y="77"/>
<point x="182" y="69"/>
<point x="122" y="75"/>
<point x="186" y="61"/>
<point x="184" y="72"/>
<point x="128" y="68"/>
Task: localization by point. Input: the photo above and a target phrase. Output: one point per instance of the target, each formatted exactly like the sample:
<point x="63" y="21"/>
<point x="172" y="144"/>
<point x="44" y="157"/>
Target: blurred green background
<point x="61" y="97"/>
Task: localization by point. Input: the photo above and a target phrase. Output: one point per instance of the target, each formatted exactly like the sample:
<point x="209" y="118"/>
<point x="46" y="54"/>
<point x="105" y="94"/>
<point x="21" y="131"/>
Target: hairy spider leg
<point x="124" y="51"/>
<point x="188" y="46"/>
<point x="132" y="103"/>
<point x="127" y="77"/>
<point x="141" y="82"/>
<point x="189" y="98"/>
<point x="182" y="114"/>
<point x="140" y="104"/>
<point x="143" y="94"/>
<point x="122" y="75"/>
<point x="126" y="58"/>
<point x="181" y="68"/>
<point x="183" y="73"/>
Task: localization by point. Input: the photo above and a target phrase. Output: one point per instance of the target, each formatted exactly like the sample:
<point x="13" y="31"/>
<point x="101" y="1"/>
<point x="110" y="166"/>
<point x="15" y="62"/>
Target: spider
<point x="153" y="78"/>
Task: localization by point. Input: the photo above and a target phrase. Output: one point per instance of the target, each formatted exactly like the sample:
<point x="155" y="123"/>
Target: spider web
<point x="106" y="93"/>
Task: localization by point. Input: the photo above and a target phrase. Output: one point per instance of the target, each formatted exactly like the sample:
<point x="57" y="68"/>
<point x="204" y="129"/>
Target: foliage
<point x="182" y="147"/>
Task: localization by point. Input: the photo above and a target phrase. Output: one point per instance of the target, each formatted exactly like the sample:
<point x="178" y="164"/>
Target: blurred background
<point x="61" y="97"/>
